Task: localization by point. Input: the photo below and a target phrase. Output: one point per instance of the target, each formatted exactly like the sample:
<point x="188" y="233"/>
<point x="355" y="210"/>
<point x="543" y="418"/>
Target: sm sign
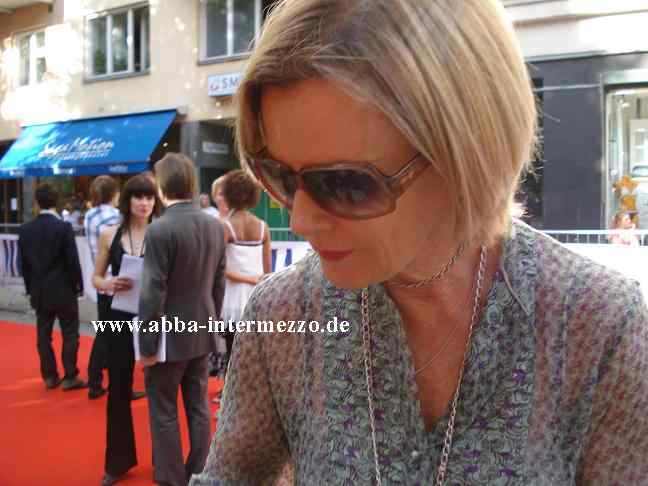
<point x="223" y="84"/>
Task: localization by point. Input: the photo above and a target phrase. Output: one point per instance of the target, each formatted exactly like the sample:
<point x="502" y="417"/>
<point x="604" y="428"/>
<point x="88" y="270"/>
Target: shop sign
<point x="215" y="148"/>
<point x="223" y="84"/>
<point x="16" y="172"/>
<point x="57" y="171"/>
<point x="79" y="149"/>
<point x="118" y="168"/>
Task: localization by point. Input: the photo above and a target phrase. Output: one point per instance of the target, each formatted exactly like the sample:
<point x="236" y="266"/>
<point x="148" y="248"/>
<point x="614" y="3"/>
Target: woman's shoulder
<point x="253" y="222"/>
<point x="560" y="262"/>
<point x="571" y="288"/>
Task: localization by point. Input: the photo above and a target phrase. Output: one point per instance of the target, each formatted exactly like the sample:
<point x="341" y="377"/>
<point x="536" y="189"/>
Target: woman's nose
<point x="306" y="217"/>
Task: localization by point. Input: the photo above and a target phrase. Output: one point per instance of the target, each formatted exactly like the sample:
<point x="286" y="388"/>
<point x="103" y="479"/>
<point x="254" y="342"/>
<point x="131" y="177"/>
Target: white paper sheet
<point x="128" y="301"/>
<point x="161" y="351"/>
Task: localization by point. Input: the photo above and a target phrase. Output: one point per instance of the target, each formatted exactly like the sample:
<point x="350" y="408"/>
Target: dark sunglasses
<point x="346" y="190"/>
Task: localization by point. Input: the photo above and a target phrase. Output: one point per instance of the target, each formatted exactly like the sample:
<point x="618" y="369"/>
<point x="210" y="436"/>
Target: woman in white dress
<point x="248" y="246"/>
<point x="248" y="242"/>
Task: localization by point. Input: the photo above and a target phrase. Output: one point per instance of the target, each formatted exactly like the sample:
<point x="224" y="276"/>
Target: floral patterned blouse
<point x="555" y="389"/>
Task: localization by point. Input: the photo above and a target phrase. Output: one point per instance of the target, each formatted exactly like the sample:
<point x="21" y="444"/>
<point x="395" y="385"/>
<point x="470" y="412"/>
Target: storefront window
<point x="627" y="154"/>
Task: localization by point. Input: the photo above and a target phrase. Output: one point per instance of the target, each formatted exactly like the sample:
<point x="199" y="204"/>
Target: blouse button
<point x="415" y="455"/>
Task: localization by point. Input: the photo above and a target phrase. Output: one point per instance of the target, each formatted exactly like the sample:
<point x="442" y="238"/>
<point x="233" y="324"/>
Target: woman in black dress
<point x="137" y="204"/>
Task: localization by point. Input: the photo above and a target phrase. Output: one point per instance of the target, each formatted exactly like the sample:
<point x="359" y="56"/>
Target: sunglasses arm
<point x="405" y="177"/>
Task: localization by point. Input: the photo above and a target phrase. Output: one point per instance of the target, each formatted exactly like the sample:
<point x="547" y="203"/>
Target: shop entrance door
<point x="639" y="144"/>
<point x="626" y="187"/>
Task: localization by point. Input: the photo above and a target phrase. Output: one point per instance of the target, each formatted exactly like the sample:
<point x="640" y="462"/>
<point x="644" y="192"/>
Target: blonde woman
<point x="479" y="351"/>
<point x="217" y="197"/>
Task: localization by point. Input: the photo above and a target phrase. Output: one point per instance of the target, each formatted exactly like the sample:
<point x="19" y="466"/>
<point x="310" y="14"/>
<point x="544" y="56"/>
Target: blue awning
<point x="110" y="145"/>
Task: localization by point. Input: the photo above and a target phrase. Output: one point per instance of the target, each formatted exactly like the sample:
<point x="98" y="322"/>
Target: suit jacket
<point x="50" y="262"/>
<point x="183" y="277"/>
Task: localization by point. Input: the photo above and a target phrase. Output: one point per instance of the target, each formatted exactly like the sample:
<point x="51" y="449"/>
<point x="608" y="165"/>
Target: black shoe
<point x="95" y="393"/>
<point x="74" y="384"/>
<point x="51" y="383"/>
<point x="109" y="479"/>
<point x="137" y="395"/>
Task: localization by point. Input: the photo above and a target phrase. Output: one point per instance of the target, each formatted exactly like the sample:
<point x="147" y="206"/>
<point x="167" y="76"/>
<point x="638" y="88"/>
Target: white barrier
<point x="87" y="267"/>
<point x="284" y="253"/>
<point x="10" y="272"/>
<point x="631" y="261"/>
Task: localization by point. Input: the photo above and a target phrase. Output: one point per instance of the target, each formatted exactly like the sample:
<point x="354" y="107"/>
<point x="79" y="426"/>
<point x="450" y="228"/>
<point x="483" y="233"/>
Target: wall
<point x="175" y="79"/>
<point x="565" y="27"/>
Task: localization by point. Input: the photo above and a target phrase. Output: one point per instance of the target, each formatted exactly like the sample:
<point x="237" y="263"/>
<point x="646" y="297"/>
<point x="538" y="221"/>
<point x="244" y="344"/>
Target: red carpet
<point x="56" y="438"/>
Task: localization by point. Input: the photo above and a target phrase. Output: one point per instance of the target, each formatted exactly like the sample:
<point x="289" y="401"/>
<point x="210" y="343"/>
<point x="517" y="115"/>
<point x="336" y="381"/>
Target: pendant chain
<point x="368" y="365"/>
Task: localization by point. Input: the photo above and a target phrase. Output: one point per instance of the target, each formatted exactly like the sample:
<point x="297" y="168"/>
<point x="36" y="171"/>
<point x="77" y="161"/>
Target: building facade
<point x="589" y="63"/>
<point x="86" y="60"/>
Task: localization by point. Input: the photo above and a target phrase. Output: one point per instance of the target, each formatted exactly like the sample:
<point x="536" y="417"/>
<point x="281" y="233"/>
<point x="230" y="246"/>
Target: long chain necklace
<point x="368" y="365"/>
<point x="140" y="249"/>
<point x="436" y="276"/>
<point x="443" y="347"/>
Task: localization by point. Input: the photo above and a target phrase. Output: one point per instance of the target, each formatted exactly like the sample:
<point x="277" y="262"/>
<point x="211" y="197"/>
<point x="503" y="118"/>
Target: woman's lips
<point x="333" y="256"/>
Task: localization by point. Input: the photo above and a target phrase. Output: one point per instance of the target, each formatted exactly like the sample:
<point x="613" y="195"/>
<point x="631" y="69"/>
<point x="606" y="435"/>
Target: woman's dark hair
<point x="240" y="190"/>
<point x="137" y="186"/>
<point x="103" y="190"/>
<point x="176" y="175"/>
<point x="46" y="196"/>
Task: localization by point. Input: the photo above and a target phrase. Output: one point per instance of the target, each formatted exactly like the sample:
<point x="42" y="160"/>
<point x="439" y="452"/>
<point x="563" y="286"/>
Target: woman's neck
<point x="447" y="300"/>
<point x="137" y="224"/>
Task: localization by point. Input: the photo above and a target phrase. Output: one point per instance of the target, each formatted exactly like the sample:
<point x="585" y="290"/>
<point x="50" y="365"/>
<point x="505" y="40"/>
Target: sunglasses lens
<point x="280" y="181"/>
<point x="348" y="193"/>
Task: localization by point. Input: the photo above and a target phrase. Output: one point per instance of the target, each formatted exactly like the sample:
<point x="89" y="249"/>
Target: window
<point x="627" y="153"/>
<point x="119" y="42"/>
<point x="31" y="51"/>
<point x="229" y="27"/>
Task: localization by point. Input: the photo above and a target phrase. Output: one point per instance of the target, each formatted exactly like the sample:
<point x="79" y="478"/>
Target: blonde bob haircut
<point x="448" y="74"/>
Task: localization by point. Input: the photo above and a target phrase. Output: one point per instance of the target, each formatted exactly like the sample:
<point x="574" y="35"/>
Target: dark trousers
<point x="162" y="383"/>
<point x="99" y="353"/>
<point x="229" y="343"/>
<point x="120" y="436"/>
<point x="68" y="316"/>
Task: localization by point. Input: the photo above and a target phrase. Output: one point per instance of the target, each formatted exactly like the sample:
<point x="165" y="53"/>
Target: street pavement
<point x="14" y="307"/>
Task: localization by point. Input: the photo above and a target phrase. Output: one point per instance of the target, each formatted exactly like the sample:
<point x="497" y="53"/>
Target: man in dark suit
<point x="52" y="274"/>
<point x="183" y="277"/>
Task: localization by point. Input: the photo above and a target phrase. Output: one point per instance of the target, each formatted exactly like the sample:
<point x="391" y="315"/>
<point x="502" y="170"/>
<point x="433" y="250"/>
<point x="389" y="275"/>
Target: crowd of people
<point x="184" y="250"/>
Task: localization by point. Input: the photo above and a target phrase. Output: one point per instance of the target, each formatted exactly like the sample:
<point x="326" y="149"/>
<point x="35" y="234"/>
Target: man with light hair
<point x="205" y="205"/>
<point x="217" y="197"/>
